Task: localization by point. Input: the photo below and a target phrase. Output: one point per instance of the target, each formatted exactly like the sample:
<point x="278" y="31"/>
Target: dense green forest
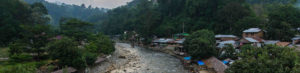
<point x="38" y="33"/>
<point x="33" y="43"/>
<point x="166" y="17"/>
<point x="83" y="12"/>
<point x="163" y="18"/>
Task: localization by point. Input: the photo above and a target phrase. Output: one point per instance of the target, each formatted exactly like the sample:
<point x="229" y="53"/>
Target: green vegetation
<point x="67" y="52"/>
<point x="269" y="59"/>
<point x="100" y="43"/>
<point x="201" y="44"/>
<point x="82" y="12"/>
<point x="229" y="52"/>
<point x="32" y="43"/>
<point x="75" y="28"/>
<point x="166" y="17"/>
<point x="26" y="30"/>
<point x="19" y="68"/>
<point x="4" y="52"/>
<point x="282" y="20"/>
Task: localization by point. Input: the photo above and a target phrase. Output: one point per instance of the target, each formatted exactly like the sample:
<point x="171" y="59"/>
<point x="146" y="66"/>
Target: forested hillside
<point x="166" y="17"/>
<point x="32" y="45"/>
<point x="58" y="11"/>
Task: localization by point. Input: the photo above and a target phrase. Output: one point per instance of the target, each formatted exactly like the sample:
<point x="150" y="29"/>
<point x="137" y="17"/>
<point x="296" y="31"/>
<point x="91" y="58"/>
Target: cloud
<point x="95" y="3"/>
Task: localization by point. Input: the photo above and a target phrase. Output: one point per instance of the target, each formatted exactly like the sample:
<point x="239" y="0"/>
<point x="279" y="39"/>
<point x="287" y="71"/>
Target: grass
<point x="5" y="65"/>
<point x="4" y="52"/>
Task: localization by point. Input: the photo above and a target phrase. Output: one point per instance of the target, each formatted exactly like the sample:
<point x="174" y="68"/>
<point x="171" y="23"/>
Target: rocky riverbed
<point x="138" y="60"/>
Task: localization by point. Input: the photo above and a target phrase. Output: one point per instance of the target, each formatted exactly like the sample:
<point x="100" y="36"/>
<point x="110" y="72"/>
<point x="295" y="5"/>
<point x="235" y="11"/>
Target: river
<point x="139" y="60"/>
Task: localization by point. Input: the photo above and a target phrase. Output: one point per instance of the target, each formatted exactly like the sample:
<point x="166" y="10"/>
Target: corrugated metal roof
<point x="251" y="40"/>
<point x="220" y="36"/>
<point x="223" y="43"/>
<point x="252" y="30"/>
<point x="180" y="41"/>
<point x="163" y="40"/>
<point x="271" y="42"/>
<point x="297" y="37"/>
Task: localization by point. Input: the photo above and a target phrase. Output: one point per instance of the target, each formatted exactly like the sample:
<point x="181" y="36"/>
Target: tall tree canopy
<point x="166" y="17"/>
<point x="163" y="18"/>
<point x="269" y="59"/>
<point x="14" y="13"/>
<point x="82" y="12"/>
<point x="201" y="44"/>
<point x="76" y="28"/>
<point x="283" y="20"/>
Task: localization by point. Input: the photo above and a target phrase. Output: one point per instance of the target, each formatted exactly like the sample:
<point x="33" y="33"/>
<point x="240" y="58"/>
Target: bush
<point x="269" y="59"/>
<point x="20" y="68"/>
<point x="229" y="52"/>
<point x="92" y="47"/>
<point x="17" y="48"/>
<point x="67" y="52"/>
<point x="90" y="58"/>
<point x="77" y="63"/>
<point x="103" y="43"/>
<point x="20" y="57"/>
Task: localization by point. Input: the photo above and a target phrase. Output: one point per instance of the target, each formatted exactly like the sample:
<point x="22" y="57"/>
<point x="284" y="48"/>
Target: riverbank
<point x="193" y="68"/>
<point x="138" y="60"/>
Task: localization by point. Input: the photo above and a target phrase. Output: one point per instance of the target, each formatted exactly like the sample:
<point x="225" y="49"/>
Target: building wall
<point x="226" y="39"/>
<point x="257" y="34"/>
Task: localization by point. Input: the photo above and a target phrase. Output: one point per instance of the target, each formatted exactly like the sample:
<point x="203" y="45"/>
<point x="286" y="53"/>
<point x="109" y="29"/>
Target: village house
<point x="277" y="42"/>
<point x="253" y="32"/>
<point x="224" y="43"/>
<point x="216" y="64"/>
<point x="296" y="40"/>
<point x="220" y="38"/>
<point x="253" y="36"/>
<point x="162" y="41"/>
<point x="283" y="44"/>
<point x="271" y="42"/>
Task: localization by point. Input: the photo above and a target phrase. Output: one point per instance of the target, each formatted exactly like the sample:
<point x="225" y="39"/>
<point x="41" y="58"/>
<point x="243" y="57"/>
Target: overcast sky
<point x="95" y="3"/>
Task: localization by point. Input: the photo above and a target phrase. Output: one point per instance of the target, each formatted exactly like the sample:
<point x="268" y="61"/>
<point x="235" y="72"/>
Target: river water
<point x="139" y="60"/>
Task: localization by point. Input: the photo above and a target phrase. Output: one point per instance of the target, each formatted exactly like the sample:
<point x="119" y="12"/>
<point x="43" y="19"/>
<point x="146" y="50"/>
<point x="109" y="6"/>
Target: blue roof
<point x="187" y="58"/>
<point x="200" y="63"/>
<point x="225" y="62"/>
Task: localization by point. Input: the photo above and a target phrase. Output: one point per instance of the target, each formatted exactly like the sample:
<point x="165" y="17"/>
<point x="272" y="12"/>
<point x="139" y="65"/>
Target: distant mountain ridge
<point x="62" y="10"/>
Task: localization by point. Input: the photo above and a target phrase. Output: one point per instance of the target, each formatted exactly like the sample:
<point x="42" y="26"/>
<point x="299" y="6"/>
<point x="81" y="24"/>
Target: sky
<point x="94" y="3"/>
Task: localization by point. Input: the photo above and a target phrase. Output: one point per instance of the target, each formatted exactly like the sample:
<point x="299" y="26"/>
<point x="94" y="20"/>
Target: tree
<point x="248" y="22"/>
<point x="33" y="41"/>
<point x="36" y="37"/>
<point x="16" y="48"/>
<point x="67" y="52"/>
<point x="269" y="59"/>
<point x="99" y="43"/>
<point x="229" y="15"/>
<point x="201" y="44"/>
<point x="12" y="13"/>
<point x="39" y="14"/>
<point x="283" y="21"/>
<point x="76" y="28"/>
<point x="229" y="52"/>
